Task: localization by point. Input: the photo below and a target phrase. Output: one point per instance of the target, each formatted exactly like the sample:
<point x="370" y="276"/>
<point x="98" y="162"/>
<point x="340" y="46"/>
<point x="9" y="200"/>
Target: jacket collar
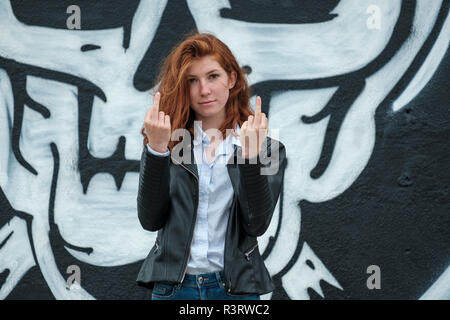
<point x="235" y="142"/>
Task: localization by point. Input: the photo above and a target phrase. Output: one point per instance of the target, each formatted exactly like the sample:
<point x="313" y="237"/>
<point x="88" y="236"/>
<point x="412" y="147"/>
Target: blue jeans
<point x="207" y="286"/>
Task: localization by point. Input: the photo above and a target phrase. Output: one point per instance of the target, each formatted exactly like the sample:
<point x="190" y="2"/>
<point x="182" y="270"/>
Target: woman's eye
<point x="211" y="76"/>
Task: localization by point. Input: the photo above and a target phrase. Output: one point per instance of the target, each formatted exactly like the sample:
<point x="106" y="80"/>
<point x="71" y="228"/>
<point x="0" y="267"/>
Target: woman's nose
<point x="204" y="88"/>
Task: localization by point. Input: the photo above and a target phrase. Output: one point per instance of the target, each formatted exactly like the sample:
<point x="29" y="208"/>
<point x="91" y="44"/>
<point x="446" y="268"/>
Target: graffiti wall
<point x="358" y="93"/>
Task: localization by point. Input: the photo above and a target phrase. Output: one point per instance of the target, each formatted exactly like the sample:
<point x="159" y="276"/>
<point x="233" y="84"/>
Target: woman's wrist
<point x="158" y="148"/>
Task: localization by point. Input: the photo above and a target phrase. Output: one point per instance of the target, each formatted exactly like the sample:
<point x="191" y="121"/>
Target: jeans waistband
<point x="204" y="279"/>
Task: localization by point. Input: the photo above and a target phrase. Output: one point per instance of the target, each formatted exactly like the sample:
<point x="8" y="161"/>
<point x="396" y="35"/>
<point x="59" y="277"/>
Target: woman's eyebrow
<point x="193" y="75"/>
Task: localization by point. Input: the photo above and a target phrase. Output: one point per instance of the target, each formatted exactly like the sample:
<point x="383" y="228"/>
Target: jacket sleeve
<point x="153" y="200"/>
<point x="258" y="193"/>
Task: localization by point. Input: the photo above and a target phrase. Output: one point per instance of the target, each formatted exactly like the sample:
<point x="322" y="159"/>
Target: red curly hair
<point x="172" y="83"/>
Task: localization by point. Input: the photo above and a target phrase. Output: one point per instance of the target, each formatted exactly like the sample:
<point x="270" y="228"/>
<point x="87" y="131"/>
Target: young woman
<point x="207" y="199"/>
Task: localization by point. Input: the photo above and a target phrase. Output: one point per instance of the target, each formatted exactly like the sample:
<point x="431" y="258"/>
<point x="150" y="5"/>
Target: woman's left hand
<point x="254" y="132"/>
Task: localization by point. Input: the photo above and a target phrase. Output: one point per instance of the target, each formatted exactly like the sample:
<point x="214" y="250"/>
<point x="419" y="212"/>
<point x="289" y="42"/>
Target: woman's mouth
<point x="206" y="103"/>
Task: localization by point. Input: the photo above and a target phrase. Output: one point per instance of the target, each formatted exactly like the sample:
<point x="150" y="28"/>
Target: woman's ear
<point x="232" y="80"/>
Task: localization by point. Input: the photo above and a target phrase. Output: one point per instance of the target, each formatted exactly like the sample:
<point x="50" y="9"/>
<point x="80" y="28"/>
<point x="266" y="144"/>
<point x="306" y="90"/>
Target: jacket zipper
<point x="249" y="252"/>
<point x="195" y="213"/>
<point x="228" y="289"/>
<point x="157" y="247"/>
<point x="228" y="279"/>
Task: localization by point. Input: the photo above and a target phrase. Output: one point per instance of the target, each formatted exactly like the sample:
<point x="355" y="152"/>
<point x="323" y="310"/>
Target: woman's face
<point x="209" y="86"/>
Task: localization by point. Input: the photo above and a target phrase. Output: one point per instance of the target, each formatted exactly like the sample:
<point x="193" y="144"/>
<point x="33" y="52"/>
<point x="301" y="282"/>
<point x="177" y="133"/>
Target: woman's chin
<point x="207" y="114"/>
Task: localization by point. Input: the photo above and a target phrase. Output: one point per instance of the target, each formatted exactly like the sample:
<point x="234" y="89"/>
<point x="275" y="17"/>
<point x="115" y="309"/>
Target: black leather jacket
<point x="167" y="202"/>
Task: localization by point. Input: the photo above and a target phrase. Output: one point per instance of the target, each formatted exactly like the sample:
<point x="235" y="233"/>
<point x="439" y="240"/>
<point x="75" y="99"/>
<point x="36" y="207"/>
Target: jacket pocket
<point x="249" y="252"/>
<point x="159" y="242"/>
<point x="157" y="247"/>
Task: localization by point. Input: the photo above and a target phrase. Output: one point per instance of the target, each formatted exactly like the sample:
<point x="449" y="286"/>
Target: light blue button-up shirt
<point x="215" y="199"/>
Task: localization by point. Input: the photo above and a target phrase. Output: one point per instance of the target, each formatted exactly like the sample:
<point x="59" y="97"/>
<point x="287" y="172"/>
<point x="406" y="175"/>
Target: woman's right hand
<point x="157" y="127"/>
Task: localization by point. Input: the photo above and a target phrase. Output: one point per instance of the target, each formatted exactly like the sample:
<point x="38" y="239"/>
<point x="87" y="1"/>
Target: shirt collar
<point x="199" y="135"/>
<point x="202" y="137"/>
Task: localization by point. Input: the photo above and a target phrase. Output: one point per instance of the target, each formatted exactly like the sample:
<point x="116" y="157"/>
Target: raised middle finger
<point x="155" y="108"/>
<point x="257" y="120"/>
